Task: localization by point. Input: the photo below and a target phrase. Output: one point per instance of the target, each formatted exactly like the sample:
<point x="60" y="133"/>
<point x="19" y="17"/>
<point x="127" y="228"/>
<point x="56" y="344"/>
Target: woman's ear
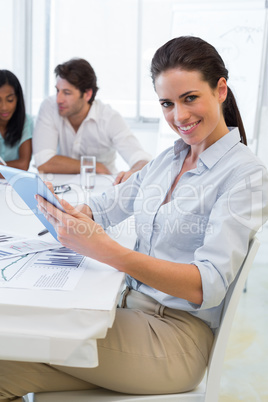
<point x="222" y="89"/>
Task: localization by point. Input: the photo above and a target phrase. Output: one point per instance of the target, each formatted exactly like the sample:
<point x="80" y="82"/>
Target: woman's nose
<point x="3" y="105"/>
<point x="181" y="114"/>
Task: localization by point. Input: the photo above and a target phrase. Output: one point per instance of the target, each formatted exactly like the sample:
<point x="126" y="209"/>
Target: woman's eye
<point x="190" y="98"/>
<point x="166" y="104"/>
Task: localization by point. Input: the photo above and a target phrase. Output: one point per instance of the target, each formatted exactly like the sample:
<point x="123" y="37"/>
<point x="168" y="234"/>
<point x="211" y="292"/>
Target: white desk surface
<point x="58" y="327"/>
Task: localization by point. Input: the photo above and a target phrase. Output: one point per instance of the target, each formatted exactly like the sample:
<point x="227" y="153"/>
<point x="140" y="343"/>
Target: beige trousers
<point x="151" y="349"/>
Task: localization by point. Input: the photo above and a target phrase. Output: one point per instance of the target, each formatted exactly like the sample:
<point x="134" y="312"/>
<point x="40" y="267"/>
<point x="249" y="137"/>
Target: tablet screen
<point x="27" y="185"/>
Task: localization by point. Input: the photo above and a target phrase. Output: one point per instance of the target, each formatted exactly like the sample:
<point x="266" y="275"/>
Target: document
<point x="58" y="269"/>
<point x="13" y="245"/>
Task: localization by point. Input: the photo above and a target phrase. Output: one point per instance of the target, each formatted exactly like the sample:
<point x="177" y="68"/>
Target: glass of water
<point x="87" y="172"/>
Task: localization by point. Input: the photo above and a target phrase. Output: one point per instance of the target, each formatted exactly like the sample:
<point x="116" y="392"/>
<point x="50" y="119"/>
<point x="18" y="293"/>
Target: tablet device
<point x="27" y="185"/>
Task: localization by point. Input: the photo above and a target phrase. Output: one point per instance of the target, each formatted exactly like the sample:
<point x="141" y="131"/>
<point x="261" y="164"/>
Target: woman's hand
<point x="76" y="230"/>
<point x="50" y="186"/>
<point x="84" y="208"/>
<point x="80" y="233"/>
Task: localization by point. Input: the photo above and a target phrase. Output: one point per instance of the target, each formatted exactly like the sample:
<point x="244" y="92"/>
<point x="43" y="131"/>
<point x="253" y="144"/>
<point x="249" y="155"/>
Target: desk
<point x="58" y="327"/>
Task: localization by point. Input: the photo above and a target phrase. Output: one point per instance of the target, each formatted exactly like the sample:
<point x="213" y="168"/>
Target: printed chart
<point x="12" y="245"/>
<point x="58" y="269"/>
<point x="4" y="237"/>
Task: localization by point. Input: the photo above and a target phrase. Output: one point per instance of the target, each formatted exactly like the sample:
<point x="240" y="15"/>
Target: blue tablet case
<point x="27" y="185"/>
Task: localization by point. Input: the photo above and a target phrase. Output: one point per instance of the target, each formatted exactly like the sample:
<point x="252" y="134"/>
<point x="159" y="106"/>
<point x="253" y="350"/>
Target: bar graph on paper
<point x="57" y="269"/>
<point x="13" y="245"/>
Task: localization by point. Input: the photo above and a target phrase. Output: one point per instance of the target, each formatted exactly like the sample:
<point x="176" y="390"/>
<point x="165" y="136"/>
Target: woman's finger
<point x="47" y="208"/>
<point x="68" y="219"/>
<point x="50" y="186"/>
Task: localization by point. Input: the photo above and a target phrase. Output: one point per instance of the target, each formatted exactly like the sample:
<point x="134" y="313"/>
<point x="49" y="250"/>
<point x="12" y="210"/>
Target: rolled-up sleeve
<point x="234" y="220"/>
<point x="124" y="141"/>
<point x="27" y="129"/>
<point x="46" y="135"/>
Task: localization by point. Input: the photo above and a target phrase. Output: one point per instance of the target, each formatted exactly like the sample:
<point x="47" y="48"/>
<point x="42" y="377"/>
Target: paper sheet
<point x="58" y="269"/>
<point x="12" y="245"/>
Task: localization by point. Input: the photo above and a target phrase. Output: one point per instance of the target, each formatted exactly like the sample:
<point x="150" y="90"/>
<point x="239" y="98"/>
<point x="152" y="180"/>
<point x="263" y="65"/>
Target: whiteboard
<point x="238" y="32"/>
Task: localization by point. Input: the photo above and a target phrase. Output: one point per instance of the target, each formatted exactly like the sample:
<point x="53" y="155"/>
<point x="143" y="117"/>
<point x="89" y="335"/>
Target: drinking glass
<point x="87" y="172"/>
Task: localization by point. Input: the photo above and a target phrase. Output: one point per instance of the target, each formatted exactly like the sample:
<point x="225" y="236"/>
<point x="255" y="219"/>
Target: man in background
<point x="73" y="123"/>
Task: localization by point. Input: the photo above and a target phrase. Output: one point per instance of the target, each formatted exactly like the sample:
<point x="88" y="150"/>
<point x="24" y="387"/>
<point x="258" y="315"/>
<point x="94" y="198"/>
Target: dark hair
<point x="194" y="54"/>
<point x="80" y="74"/>
<point x="16" y="123"/>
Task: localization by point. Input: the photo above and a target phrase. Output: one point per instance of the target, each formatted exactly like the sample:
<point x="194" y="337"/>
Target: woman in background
<point x="15" y="126"/>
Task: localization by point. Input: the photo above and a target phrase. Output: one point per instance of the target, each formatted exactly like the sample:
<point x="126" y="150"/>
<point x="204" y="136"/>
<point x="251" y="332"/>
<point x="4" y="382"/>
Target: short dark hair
<point x="80" y="74"/>
<point x="191" y="53"/>
<point x="16" y="123"/>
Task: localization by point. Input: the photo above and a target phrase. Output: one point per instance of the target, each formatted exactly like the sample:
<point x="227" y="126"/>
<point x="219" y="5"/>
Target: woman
<point x="15" y="126"/>
<point x="194" y="219"/>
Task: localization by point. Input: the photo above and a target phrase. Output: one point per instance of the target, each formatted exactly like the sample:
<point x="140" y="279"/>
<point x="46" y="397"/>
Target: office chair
<point x="208" y="390"/>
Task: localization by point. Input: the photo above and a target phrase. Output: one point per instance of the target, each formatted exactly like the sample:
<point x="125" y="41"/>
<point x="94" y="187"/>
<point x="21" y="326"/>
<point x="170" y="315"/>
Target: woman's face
<point x="191" y="107"/>
<point x="8" y="103"/>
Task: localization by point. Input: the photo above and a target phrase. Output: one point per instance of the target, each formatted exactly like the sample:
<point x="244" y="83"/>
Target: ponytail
<point x="232" y="115"/>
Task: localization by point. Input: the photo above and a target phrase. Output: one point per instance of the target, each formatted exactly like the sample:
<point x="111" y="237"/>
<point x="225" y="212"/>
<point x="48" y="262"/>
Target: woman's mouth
<point x="4" y="115"/>
<point x="187" y="129"/>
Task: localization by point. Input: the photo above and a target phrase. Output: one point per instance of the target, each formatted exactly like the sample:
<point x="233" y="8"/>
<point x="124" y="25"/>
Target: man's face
<point x="71" y="102"/>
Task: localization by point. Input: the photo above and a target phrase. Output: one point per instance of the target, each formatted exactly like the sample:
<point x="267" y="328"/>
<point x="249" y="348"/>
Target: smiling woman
<point x="174" y="63"/>
<point x="195" y="113"/>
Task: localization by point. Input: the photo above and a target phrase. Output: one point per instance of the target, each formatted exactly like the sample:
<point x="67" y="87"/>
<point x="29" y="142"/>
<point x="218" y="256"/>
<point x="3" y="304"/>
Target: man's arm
<point x="123" y="176"/>
<point x="66" y="165"/>
<point x="46" y="134"/>
<point x="127" y="145"/>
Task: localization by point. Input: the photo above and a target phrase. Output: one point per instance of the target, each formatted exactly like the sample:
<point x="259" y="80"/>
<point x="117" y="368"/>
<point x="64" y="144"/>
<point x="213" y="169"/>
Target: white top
<point x="102" y="133"/>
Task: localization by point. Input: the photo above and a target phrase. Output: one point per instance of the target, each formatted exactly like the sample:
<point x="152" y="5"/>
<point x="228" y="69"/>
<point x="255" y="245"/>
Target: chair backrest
<point x="232" y="297"/>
